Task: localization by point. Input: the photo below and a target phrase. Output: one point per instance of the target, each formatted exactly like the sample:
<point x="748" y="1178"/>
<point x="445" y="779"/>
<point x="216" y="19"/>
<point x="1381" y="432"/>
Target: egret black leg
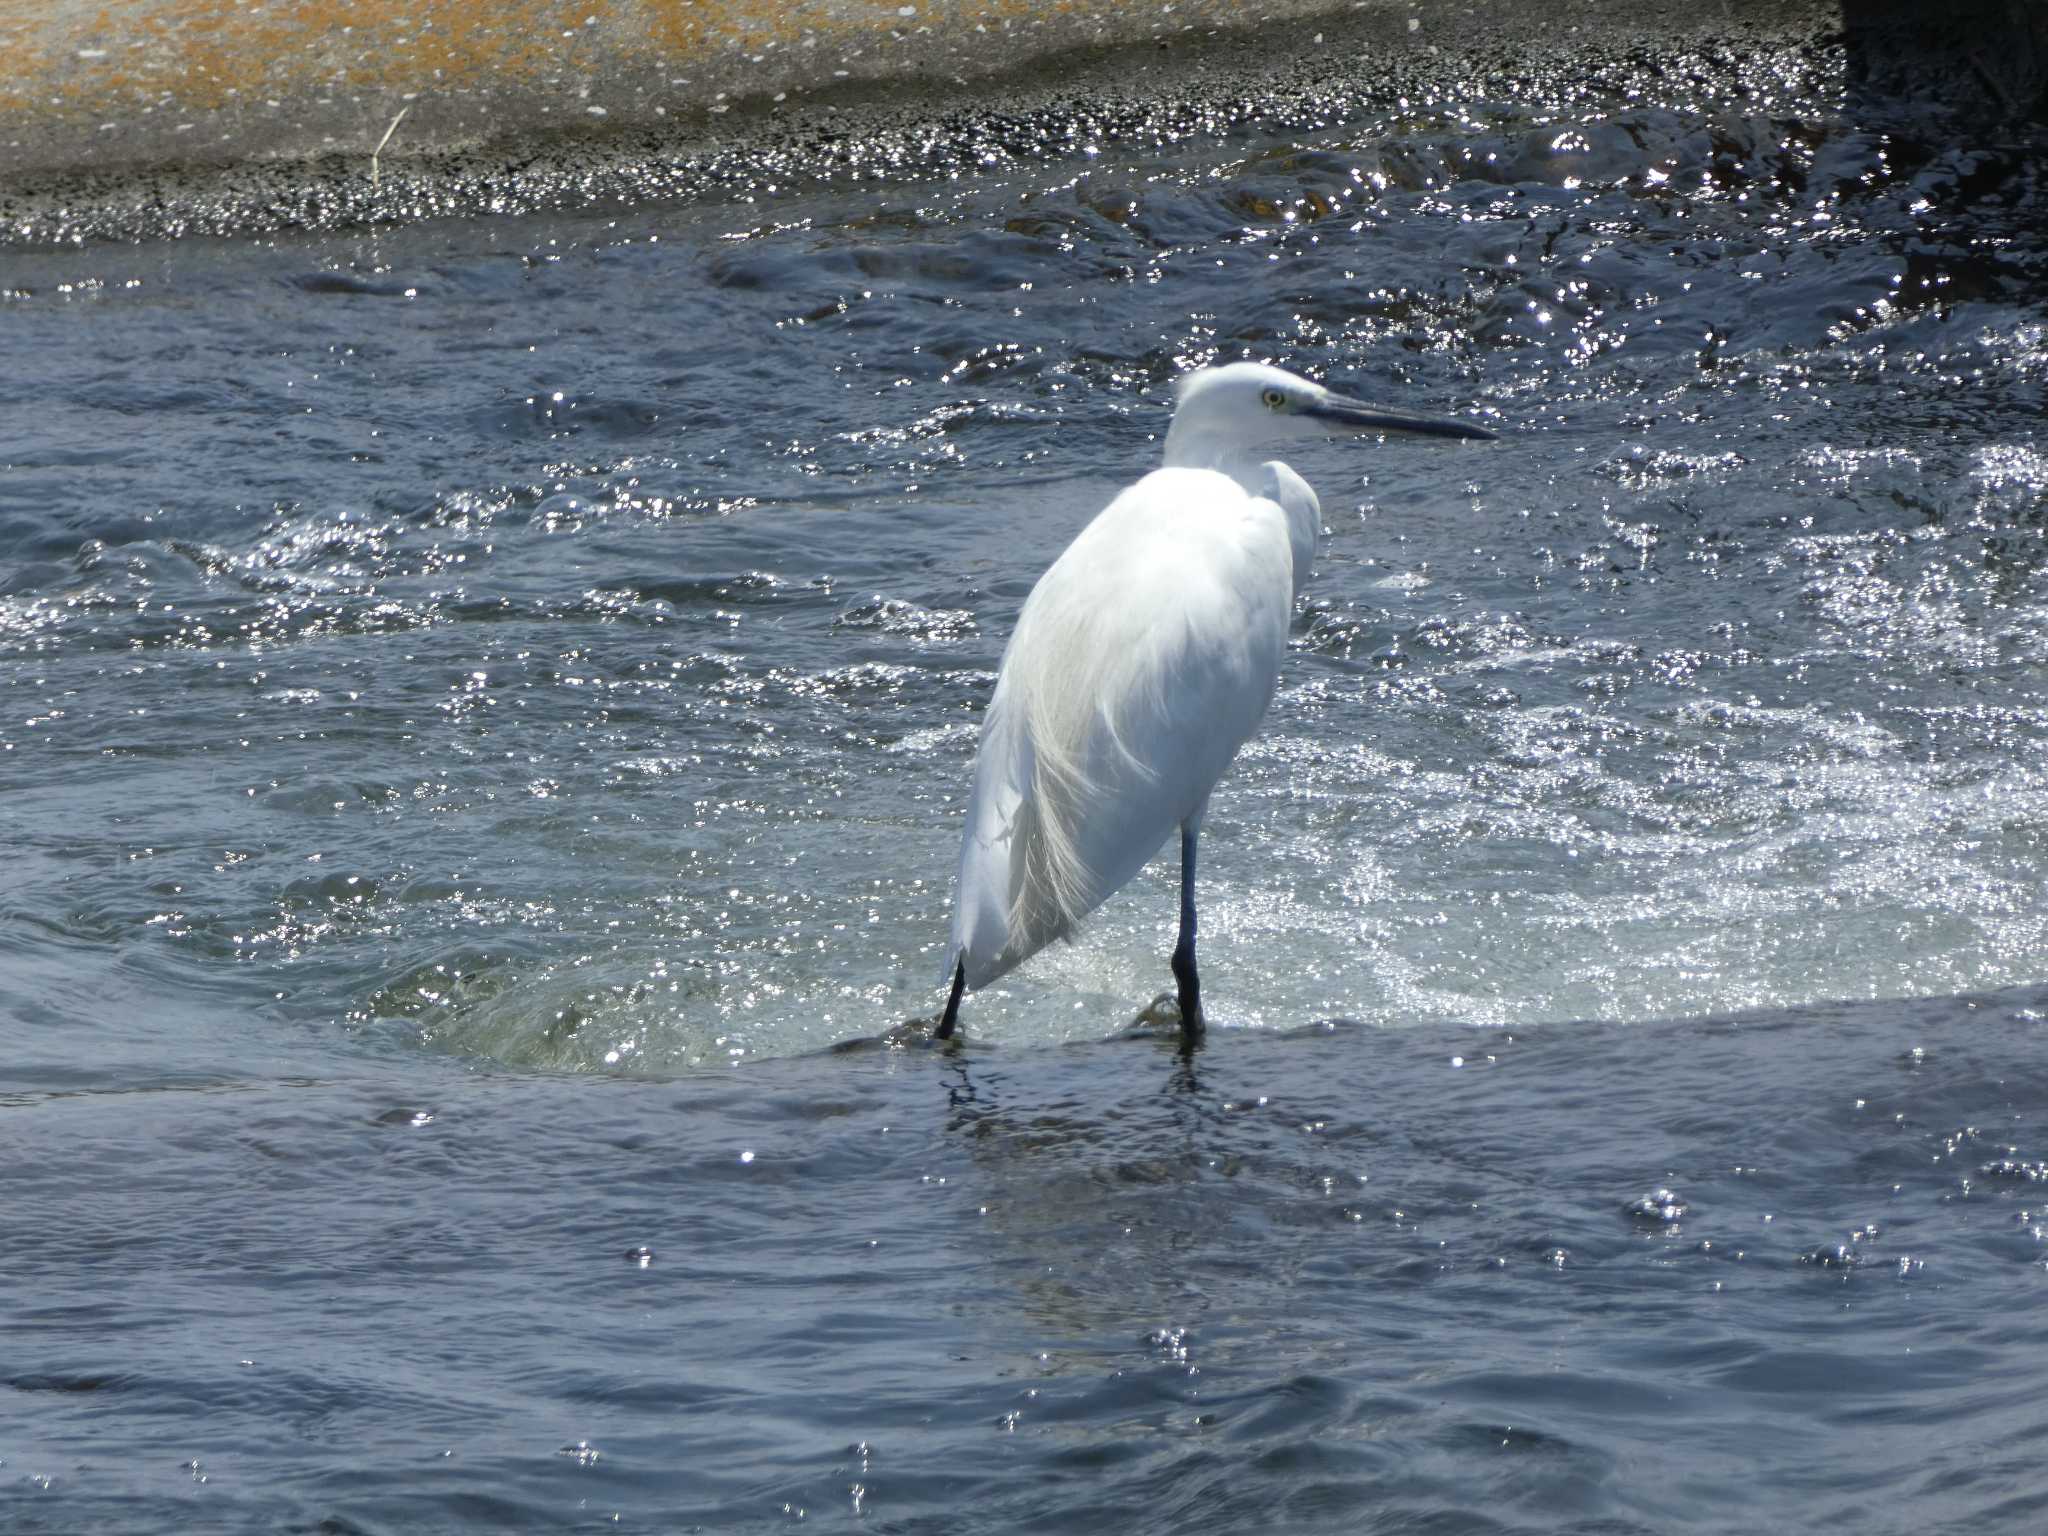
<point x="945" y="1029"/>
<point x="1185" y="979"/>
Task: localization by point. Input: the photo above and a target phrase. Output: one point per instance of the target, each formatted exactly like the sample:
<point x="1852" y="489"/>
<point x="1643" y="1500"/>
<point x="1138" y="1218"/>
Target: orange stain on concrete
<point x="78" y="64"/>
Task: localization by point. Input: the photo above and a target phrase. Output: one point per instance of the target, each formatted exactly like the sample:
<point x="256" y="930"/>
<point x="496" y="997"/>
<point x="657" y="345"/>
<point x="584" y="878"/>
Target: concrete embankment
<point x="171" y="116"/>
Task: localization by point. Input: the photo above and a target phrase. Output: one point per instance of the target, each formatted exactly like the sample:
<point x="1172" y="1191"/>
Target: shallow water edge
<point x="1627" y="1279"/>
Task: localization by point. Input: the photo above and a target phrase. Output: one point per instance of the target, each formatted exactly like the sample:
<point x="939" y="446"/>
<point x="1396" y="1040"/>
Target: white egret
<point x="1142" y="660"/>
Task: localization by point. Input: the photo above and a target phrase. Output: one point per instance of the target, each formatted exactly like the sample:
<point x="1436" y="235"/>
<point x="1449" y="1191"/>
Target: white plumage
<point x="1142" y="660"/>
<point x="1119" y="705"/>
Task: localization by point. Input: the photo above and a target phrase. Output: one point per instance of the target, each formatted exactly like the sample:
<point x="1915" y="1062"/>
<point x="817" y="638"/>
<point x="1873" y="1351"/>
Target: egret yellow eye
<point x="1277" y="399"/>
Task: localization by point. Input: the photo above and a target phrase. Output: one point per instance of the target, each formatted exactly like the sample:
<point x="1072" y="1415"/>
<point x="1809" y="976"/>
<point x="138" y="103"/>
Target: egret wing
<point x="1141" y="662"/>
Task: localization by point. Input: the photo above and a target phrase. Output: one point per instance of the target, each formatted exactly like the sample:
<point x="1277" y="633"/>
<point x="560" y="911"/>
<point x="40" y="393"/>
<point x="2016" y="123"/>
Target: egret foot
<point x="1188" y="990"/>
<point x="1188" y="985"/>
<point x="952" y="1017"/>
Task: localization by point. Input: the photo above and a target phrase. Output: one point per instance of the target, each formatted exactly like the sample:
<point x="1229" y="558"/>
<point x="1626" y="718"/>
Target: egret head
<point x="1228" y="413"/>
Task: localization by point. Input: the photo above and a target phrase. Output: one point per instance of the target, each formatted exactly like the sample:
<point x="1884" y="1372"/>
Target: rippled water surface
<point x="485" y="707"/>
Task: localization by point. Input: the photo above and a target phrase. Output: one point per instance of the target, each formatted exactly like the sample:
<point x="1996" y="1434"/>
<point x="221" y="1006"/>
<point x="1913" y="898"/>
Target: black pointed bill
<point x="1357" y="416"/>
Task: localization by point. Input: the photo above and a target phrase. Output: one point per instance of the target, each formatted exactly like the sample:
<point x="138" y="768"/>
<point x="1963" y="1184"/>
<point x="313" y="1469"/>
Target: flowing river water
<point x="485" y="714"/>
